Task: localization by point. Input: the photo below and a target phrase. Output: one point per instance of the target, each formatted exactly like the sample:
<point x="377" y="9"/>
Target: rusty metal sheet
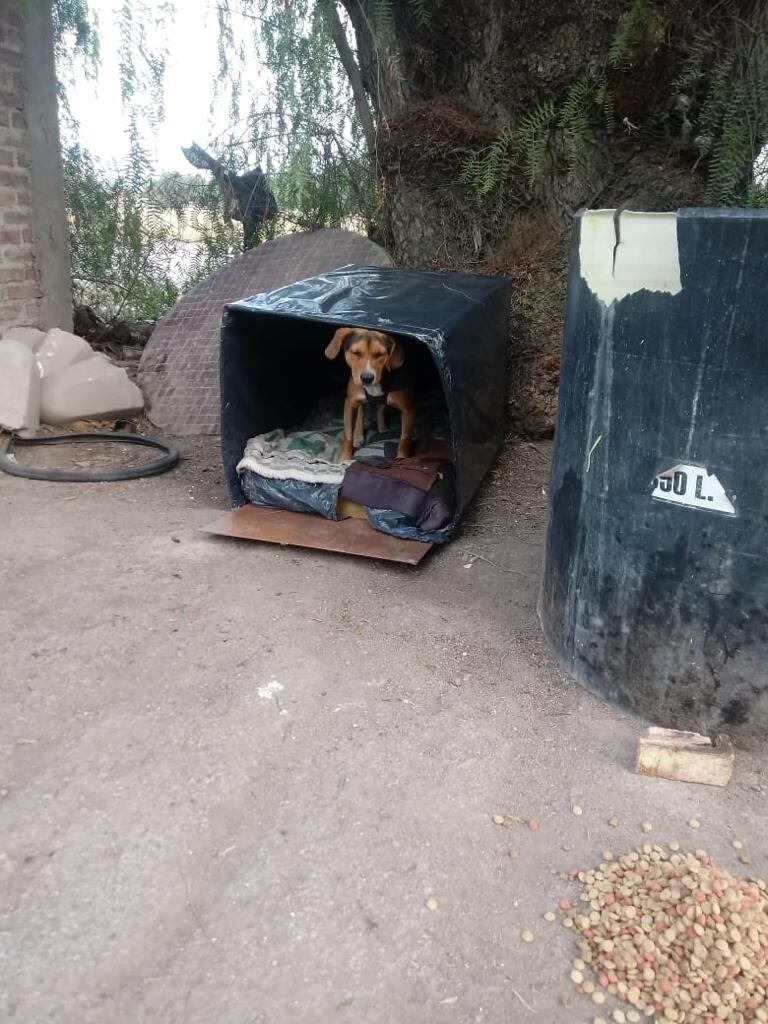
<point x="295" y="529"/>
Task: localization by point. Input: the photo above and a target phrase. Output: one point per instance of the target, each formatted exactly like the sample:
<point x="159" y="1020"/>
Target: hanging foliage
<point x="301" y="128"/>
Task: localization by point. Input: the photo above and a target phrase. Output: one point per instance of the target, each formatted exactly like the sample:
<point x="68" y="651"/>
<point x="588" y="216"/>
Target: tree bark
<point x="500" y="62"/>
<point x="448" y="87"/>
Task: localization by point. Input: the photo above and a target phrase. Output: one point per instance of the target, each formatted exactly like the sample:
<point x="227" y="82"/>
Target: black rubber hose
<point x="167" y="461"/>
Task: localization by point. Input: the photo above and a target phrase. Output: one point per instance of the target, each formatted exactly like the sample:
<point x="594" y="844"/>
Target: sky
<point x="189" y="89"/>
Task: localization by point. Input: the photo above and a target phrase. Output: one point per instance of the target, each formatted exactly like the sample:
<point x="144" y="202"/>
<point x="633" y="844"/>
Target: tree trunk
<point x="571" y="104"/>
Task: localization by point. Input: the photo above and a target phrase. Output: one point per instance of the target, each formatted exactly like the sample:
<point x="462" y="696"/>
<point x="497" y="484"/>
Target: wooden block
<point x="685" y="757"/>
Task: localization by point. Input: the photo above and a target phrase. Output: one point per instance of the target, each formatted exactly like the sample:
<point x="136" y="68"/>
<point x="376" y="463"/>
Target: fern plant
<point x="632" y="27"/>
<point x="422" y="11"/>
<point x="575" y="122"/>
<point x="725" y="82"/>
<point x="526" y="146"/>
<point x="533" y="135"/>
<point x="726" y="75"/>
<point x="741" y="132"/>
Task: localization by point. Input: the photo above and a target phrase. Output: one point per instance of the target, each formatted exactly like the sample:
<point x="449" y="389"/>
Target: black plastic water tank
<point x="655" y="590"/>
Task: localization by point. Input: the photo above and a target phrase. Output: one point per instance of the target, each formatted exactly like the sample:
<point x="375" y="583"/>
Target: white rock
<point x="29" y="335"/>
<point x="59" y="349"/>
<point x="19" y="387"/>
<point x="89" y="389"/>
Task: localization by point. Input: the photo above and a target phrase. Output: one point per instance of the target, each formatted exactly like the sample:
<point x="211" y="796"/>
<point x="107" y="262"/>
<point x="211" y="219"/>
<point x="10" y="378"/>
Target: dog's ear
<point x="334" y="345"/>
<point x="396" y="354"/>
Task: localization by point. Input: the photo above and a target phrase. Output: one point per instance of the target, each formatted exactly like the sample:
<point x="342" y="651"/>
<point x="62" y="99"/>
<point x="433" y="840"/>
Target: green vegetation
<point x="698" y="75"/>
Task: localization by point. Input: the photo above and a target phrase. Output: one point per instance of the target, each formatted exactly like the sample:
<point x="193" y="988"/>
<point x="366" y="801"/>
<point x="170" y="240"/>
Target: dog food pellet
<point x="577" y="977"/>
<point x="598" y="1020"/>
<point x="737" y="844"/>
<point x="577" y="810"/>
<point x="614" y="822"/>
<point x="533" y="825"/>
<point x="527" y="936"/>
<point x="744" y="859"/>
<point x="431" y="903"/>
<point x="673" y="936"/>
<point x="647" y="826"/>
<point x="567" y="847"/>
<point x="674" y="846"/>
<point x="694" y="823"/>
<point x="498" y="819"/>
<point x="549" y="916"/>
<point x="607" y="855"/>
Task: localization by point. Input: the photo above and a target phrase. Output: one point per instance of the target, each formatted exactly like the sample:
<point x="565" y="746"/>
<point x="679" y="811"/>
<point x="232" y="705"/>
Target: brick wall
<point x="34" y="263"/>
<point x="19" y="286"/>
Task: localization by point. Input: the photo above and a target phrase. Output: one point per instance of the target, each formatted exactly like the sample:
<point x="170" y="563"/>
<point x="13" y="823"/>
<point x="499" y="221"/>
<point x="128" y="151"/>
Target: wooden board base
<point x="295" y="529"/>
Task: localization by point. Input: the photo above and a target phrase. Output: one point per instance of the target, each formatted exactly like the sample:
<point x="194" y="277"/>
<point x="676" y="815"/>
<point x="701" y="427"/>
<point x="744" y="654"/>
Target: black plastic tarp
<point x="454" y="328"/>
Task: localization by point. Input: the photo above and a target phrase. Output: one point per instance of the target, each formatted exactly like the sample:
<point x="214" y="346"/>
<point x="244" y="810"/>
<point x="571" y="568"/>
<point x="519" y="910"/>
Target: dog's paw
<point x="346" y="452"/>
<point x="403" y="451"/>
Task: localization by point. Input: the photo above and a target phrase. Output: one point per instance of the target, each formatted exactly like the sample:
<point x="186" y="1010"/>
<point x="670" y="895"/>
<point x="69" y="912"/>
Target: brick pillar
<point x="34" y="255"/>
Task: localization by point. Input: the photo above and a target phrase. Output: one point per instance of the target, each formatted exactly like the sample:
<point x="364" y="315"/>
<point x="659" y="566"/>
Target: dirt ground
<point x="233" y="775"/>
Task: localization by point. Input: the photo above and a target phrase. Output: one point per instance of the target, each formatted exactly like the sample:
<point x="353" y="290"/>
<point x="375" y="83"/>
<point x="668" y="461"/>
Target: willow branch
<point x="352" y="68"/>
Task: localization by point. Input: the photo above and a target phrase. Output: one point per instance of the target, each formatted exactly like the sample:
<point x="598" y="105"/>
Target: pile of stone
<point x="56" y="377"/>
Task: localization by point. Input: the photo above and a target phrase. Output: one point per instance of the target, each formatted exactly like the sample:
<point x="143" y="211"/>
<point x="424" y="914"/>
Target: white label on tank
<point x="693" y="486"/>
<point x="623" y="251"/>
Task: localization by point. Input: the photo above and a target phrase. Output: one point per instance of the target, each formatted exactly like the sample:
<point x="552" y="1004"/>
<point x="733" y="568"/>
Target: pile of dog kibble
<point x="671" y="935"/>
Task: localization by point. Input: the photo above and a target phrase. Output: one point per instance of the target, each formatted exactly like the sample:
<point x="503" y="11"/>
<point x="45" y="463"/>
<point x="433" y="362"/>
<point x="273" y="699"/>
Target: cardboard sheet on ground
<point x="297" y="529"/>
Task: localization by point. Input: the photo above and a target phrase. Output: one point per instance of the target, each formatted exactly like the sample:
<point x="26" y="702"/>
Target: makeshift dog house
<point x="274" y="370"/>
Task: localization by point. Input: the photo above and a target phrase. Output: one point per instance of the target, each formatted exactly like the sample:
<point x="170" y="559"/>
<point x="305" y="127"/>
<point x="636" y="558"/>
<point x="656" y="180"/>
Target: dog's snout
<point x="367" y="377"/>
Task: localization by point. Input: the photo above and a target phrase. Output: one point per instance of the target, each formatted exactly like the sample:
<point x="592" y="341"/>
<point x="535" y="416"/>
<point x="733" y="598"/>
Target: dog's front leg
<point x="407" y="417"/>
<point x="403" y="401"/>
<point x="358" y="435"/>
<point x="347" y="448"/>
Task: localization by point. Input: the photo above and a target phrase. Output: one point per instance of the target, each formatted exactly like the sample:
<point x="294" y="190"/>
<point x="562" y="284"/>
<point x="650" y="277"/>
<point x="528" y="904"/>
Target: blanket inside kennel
<point x="298" y="470"/>
<point x="281" y="396"/>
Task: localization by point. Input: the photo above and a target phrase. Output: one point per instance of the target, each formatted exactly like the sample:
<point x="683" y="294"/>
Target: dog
<point x="377" y="376"/>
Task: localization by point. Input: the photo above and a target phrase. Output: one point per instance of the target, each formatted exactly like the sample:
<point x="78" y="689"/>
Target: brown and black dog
<point x="376" y="361"/>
